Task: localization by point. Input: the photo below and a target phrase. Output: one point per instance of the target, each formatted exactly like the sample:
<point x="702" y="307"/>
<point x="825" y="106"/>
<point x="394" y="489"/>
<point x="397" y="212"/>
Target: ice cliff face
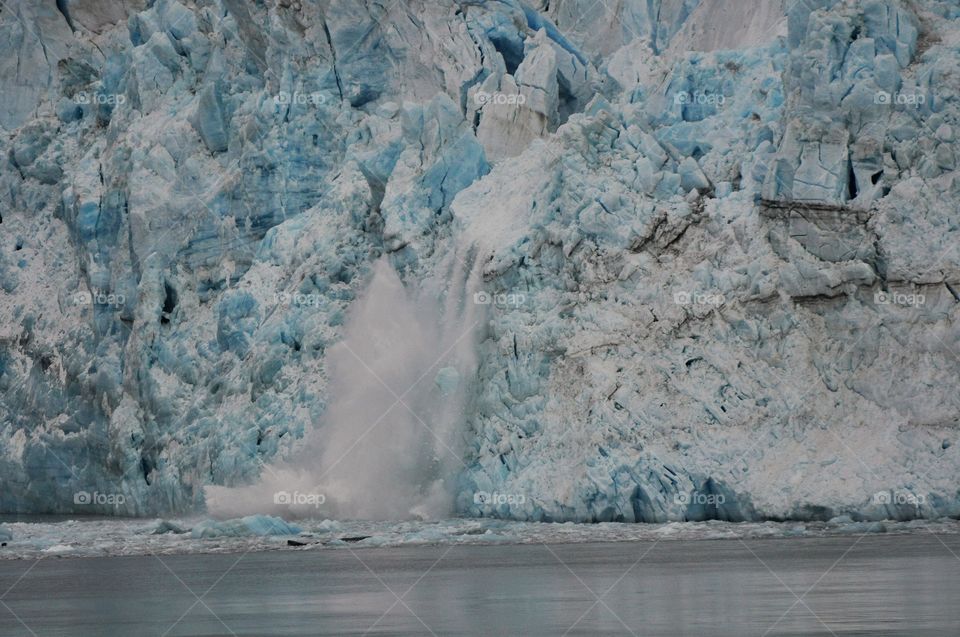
<point x="718" y="243"/>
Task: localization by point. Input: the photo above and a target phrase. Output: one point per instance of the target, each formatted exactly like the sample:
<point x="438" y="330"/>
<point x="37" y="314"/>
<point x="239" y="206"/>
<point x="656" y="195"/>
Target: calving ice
<point x="600" y="261"/>
<point x="390" y="443"/>
<point x="296" y="280"/>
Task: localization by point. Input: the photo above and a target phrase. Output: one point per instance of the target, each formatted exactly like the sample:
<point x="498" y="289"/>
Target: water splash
<point x="391" y="440"/>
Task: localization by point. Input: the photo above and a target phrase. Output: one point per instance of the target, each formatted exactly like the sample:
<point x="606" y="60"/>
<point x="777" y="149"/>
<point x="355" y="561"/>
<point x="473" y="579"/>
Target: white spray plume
<point x="391" y="441"/>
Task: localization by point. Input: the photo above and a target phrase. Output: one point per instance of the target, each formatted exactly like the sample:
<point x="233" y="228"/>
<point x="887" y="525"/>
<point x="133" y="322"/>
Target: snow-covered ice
<point x="713" y="246"/>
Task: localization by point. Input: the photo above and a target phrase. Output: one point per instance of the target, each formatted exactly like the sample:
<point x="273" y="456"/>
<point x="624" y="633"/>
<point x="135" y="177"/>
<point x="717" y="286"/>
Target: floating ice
<point x="251" y="525"/>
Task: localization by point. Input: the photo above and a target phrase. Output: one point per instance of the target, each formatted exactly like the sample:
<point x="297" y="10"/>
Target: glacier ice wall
<point x="717" y="243"/>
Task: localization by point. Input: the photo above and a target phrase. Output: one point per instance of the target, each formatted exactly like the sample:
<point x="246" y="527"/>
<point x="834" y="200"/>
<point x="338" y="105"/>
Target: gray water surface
<point x="873" y="585"/>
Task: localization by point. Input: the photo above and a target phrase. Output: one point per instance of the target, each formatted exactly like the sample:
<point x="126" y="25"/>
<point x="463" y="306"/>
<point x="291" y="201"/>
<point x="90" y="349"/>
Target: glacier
<point x="714" y="242"/>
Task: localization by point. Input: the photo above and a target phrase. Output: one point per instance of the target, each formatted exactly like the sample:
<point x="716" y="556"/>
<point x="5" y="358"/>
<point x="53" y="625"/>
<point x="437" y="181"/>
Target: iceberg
<point x="251" y="525"/>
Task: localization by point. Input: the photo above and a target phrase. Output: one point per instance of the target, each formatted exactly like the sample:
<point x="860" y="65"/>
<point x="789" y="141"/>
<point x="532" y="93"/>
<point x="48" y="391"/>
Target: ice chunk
<point x="447" y="379"/>
<point x="691" y="177"/>
<point x="251" y="525"/>
<point x="166" y="526"/>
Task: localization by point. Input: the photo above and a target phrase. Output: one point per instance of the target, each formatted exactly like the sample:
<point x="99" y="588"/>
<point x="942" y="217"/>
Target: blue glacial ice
<point x="709" y="246"/>
<point x="251" y="525"/>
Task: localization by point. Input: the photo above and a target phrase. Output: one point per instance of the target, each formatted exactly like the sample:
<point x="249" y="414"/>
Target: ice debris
<point x="251" y="525"/>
